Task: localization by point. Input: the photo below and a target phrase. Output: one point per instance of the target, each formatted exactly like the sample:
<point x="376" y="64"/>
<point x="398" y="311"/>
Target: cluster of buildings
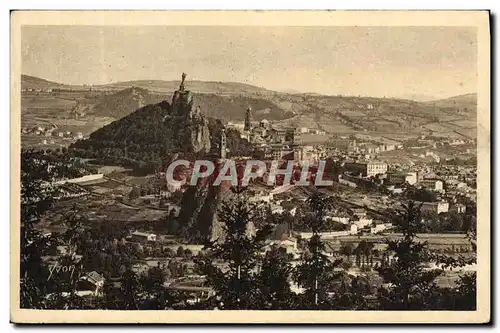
<point x="350" y="148"/>
<point x="51" y="132"/>
<point x="447" y="186"/>
<point x="47" y="90"/>
<point x="305" y="130"/>
<point x="275" y="142"/>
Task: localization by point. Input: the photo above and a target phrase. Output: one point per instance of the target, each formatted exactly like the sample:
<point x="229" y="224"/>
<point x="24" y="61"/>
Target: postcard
<point x="250" y="167"/>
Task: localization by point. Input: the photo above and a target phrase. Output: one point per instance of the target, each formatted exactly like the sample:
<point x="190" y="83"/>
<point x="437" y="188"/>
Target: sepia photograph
<point x="250" y="167"/>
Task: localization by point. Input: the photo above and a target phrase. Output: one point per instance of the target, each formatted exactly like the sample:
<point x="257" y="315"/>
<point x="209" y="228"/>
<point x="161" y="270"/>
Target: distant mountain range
<point x="227" y="101"/>
<point x="208" y="87"/>
<point x="467" y="100"/>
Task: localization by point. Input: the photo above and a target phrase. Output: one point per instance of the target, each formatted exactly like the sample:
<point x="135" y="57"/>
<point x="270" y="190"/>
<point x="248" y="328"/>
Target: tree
<point x="347" y="250"/>
<point x="365" y="252"/>
<point x="36" y="198"/>
<point x="316" y="272"/>
<point x="275" y="292"/>
<point x="411" y="285"/>
<point x="156" y="296"/>
<point x="188" y="254"/>
<point x="419" y="194"/>
<point x="234" y="286"/>
<point x="180" y="251"/>
<point x="466" y="292"/>
<point x="134" y="193"/>
<point x="130" y="290"/>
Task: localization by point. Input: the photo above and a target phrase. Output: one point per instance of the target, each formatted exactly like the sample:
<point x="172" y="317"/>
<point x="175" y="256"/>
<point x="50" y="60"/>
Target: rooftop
<point x="94" y="277"/>
<point x="143" y="234"/>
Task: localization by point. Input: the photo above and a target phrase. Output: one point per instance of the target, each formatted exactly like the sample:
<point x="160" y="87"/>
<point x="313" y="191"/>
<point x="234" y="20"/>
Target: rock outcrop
<point x="196" y="133"/>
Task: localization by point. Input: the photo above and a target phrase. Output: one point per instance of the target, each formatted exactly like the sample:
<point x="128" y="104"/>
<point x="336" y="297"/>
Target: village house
<point x="435" y="207"/>
<point x="277" y="209"/>
<point x="141" y="237"/>
<point x="363" y="223"/>
<point x="359" y="212"/>
<point x="368" y="169"/>
<point x="401" y="178"/>
<point x="380" y="226"/>
<point x="337" y="217"/>
<point x="90" y="284"/>
<point x="261" y="197"/>
<point x="457" y="208"/>
<point x="432" y="184"/>
<point x="288" y="245"/>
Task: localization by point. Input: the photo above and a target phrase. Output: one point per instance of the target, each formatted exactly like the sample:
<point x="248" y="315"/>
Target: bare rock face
<point x="196" y="133"/>
<point x="199" y="131"/>
<point x="198" y="212"/>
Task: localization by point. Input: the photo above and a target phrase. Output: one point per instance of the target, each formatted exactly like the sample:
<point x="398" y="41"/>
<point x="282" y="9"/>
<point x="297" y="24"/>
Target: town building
<point x="264" y="133"/>
<point x="239" y="126"/>
<point x="90" y="284"/>
<point x="401" y="178"/>
<point x="339" y="217"/>
<point x="368" y="169"/>
<point x="341" y="144"/>
<point x="289" y="246"/>
<point x="432" y="184"/>
<point x="457" y="208"/>
<point x="380" y="227"/>
<point x="363" y="223"/>
<point x="359" y="212"/>
<point x="435" y="207"/>
<point x="141" y="237"/>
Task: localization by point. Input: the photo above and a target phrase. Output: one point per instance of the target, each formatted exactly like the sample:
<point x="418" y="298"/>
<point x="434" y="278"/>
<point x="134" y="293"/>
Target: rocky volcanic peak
<point x="196" y="134"/>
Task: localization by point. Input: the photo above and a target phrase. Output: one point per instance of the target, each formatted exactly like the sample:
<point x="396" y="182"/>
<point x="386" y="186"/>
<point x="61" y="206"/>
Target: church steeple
<point x="248" y="119"/>
<point x="223" y="143"/>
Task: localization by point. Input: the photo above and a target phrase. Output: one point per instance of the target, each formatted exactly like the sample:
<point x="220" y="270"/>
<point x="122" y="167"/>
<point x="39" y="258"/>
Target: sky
<point x="369" y="61"/>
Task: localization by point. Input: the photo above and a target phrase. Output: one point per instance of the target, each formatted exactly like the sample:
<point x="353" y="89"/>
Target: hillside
<point x="233" y="107"/>
<point x="468" y="101"/>
<point x="158" y="86"/>
<point x="123" y="102"/>
<point x="203" y="87"/>
<point x="37" y="83"/>
<point x="146" y="138"/>
<point x="335" y="115"/>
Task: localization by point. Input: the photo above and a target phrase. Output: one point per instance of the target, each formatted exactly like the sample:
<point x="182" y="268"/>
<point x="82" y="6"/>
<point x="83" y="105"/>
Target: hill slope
<point x="335" y="115"/>
<point x="123" y="102"/>
<point x="159" y="86"/>
<point x="203" y="87"/>
<point x="146" y="138"/>
<point x="37" y="83"/>
<point x="461" y="101"/>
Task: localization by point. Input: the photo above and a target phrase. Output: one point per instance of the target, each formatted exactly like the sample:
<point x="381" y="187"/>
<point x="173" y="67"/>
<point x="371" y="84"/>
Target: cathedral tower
<point x="248" y="120"/>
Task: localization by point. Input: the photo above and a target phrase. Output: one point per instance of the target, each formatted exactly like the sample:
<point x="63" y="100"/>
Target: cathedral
<point x="263" y="132"/>
<point x="276" y="142"/>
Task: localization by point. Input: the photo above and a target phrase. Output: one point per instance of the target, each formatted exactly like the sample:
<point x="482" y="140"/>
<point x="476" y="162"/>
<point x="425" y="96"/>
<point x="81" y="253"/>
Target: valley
<point x="78" y="111"/>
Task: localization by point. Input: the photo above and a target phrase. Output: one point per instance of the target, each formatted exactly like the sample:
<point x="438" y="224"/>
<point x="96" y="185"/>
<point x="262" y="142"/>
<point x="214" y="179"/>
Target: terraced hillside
<point x="84" y="109"/>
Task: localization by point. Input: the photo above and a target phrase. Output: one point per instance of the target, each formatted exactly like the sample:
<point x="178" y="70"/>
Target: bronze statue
<point x="181" y="88"/>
